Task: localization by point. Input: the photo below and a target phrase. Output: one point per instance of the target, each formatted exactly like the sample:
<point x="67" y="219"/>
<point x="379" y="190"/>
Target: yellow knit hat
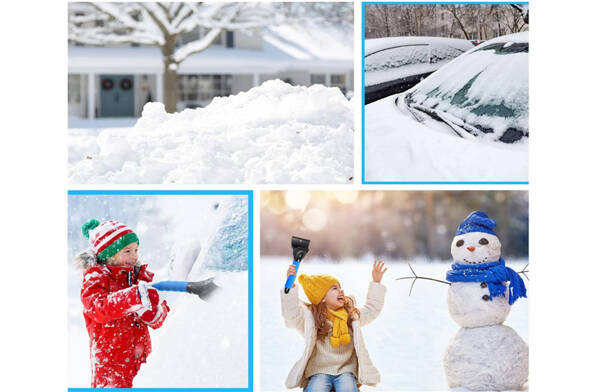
<point x="316" y="286"/>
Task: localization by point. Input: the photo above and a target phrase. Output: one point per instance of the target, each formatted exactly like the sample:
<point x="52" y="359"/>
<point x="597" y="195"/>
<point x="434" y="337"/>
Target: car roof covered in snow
<point x="516" y="37"/>
<point x="377" y="44"/>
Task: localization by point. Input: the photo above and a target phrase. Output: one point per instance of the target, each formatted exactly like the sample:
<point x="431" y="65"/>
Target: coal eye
<point x="460" y="243"/>
<point x="484" y="241"/>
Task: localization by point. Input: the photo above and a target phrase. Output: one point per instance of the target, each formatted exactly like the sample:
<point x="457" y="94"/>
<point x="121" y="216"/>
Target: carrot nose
<point x="470" y="248"/>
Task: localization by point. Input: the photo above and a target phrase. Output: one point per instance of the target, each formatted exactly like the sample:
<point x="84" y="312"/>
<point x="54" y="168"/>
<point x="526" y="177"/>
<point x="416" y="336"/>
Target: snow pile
<point x="275" y="133"/>
<point x="406" y="342"/>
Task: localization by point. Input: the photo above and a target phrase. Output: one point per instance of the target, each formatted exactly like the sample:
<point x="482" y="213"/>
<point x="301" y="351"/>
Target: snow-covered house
<point x="116" y="81"/>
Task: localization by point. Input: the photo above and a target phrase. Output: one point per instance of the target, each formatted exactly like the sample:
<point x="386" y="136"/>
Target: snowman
<point x="485" y="355"/>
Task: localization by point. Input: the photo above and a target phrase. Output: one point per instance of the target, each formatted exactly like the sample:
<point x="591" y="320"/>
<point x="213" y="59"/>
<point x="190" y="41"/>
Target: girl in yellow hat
<point x="335" y="357"/>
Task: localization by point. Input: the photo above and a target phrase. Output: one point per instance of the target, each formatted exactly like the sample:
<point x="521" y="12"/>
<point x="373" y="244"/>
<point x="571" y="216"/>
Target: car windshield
<point x="485" y="93"/>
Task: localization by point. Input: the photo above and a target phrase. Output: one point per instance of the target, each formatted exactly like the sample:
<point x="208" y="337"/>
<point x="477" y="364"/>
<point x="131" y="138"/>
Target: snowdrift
<point x="274" y="133"/>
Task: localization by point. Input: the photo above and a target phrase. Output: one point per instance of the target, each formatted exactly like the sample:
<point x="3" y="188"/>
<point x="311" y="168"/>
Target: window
<point x="74" y="92"/>
<point x="199" y="90"/>
<point x="339" y="80"/>
<point x="317" y="79"/>
<point x="188" y="37"/>
<point x="396" y="57"/>
<point x="229" y="39"/>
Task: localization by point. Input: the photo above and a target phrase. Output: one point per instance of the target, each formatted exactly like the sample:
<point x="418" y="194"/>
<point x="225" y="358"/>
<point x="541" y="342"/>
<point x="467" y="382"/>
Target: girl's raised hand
<point x="291" y="271"/>
<point x="378" y="271"/>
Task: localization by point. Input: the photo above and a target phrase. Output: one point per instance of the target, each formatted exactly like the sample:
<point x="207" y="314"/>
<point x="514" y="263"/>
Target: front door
<point x="116" y="96"/>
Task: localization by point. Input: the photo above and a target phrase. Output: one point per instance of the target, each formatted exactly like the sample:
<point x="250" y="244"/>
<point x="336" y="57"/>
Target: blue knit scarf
<point x="493" y="274"/>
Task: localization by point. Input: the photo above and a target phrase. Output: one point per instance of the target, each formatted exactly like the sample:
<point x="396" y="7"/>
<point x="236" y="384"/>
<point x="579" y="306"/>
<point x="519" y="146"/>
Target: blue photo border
<point x="362" y="70"/>
<point x="250" y="195"/>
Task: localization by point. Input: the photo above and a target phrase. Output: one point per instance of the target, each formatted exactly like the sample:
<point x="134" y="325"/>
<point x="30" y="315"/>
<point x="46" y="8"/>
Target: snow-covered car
<point x="468" y="121"/>
<point x="395" y="64"/>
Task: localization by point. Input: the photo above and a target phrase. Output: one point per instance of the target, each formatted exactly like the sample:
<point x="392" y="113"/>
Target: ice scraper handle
<point x="289" y="283"/>
<point x="299" y="250"/>
<point x="171" y="285"/>
<point x="202" y="289"/>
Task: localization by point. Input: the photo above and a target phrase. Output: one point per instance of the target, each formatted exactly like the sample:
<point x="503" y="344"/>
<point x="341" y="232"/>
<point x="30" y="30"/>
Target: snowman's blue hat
<point x="476" y="222"/>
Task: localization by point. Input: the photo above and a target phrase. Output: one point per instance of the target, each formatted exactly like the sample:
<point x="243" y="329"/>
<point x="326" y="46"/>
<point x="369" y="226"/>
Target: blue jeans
<point x="345" y="382"/>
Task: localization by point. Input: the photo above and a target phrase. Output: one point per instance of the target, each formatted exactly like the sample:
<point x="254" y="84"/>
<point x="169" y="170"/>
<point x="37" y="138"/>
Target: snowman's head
<point x="475" y="248"/>
<point x="475" y="241"/>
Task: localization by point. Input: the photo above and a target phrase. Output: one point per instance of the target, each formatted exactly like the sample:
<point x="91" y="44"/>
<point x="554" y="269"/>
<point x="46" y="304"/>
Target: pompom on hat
<point x="108" y="238"/>
<point x="477" y="222"/>
<point x="316" y="286"/>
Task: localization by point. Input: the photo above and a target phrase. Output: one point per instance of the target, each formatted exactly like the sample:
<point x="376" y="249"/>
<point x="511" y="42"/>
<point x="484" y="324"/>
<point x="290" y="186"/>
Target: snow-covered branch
<point x="156" y="23"/>
<point x="112" y="24"/>
<point x="196" y="46"/>
<point x="222" y="16"/>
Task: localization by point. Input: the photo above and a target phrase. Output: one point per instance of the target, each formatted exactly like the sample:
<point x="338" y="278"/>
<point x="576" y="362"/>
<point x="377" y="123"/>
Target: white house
<point x="116" y="81"/>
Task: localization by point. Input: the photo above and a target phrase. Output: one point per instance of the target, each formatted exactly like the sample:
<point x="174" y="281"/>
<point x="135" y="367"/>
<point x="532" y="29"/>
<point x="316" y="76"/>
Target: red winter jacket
<point x="119" y="339"/>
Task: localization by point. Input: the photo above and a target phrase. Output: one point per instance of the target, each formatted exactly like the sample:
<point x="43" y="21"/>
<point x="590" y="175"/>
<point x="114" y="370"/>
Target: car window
<point x="396" y="57"/>
<point x="485" y="92"/>
<point x="400" y="56"/>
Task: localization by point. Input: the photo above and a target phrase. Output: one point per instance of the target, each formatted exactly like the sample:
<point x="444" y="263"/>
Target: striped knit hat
<point x="108" y="238"/>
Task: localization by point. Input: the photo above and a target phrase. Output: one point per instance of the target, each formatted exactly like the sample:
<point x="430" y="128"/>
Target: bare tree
<point x="523" y="9"/>
<point x="469" y="21"/>
<point x="458" y="13"/>
<point x="159" y="24"/>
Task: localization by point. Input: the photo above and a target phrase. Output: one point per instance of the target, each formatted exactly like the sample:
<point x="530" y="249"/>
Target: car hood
<point x="399" y="148"/>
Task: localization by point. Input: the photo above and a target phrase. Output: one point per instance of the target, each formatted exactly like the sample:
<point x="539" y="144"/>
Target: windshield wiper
<point x="461" y="130"/>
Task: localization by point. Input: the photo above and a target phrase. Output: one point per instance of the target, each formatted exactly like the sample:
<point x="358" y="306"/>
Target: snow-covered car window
<point x="386" y="59"/>
<point x="399" y="56"/>
<point x="483" y="93"/>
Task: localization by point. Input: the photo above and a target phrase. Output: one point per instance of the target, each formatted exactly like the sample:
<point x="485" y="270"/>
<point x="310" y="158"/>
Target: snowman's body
<point x="491" y="358"/>
<point x="470" y="306"/>
<point x="484" y="355"/>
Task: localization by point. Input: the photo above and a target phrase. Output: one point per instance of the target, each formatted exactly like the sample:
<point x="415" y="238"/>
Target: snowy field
<point x="274" y="133"/>
<point x="397" y="148"/>
<point x="202" y="344"/>
<point x="406" y="342"/>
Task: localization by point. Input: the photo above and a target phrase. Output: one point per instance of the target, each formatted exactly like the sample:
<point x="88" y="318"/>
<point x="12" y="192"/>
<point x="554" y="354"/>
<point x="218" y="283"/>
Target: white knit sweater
<point x="297" y="315"/>
<point x="331" y="360"/>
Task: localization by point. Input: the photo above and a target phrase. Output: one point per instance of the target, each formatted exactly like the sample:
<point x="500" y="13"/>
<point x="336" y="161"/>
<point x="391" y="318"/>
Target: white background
<point x="564" y="195"/>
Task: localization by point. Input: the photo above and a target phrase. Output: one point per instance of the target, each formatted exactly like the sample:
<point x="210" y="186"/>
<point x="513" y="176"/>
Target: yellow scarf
<point x="339" y="334"/>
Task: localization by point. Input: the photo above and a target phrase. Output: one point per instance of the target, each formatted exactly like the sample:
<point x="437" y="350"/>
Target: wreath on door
<point x="126" y="84"/>
<point x="107" y="84"/>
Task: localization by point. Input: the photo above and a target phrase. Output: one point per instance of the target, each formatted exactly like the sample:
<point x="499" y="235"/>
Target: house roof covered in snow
<point x="287" y="47"/>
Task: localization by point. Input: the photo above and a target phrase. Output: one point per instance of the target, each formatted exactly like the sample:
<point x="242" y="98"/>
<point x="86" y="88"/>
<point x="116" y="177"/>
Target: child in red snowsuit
<point x="118" y="305"/>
